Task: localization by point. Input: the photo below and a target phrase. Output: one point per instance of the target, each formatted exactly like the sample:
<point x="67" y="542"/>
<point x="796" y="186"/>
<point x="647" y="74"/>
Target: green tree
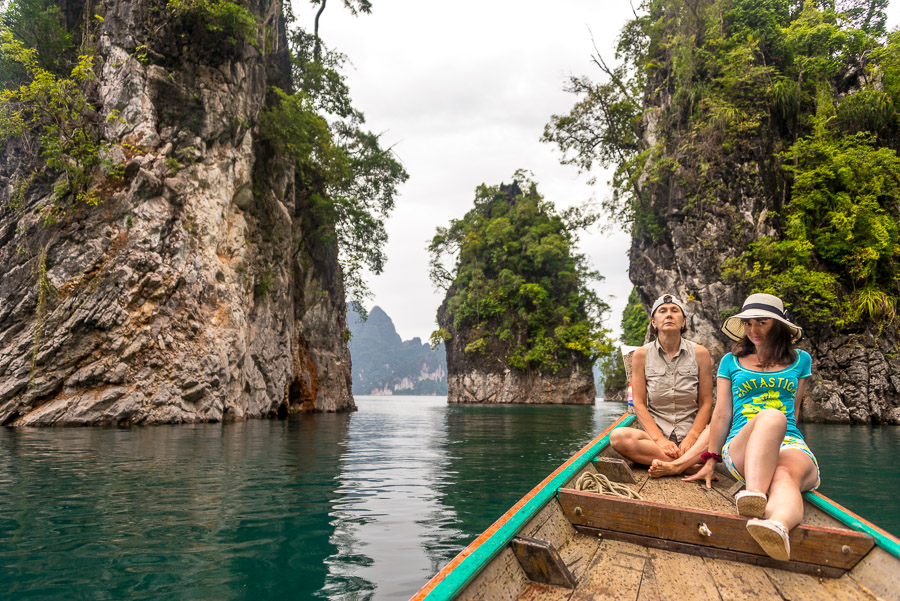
<point x="795" y="101"/>
<point x="517" y="290"/>
<point x="56" y="127"/>
<point x="351" y="178"/>
<point x="634" y="329"/>
<point x="38" y="25"/>
<point x="634" y="320"/>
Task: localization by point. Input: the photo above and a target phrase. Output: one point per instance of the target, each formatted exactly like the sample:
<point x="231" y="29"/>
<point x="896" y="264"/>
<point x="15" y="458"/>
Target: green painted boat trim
<point x="466" y="571"/>
<point x="883" y="539"/>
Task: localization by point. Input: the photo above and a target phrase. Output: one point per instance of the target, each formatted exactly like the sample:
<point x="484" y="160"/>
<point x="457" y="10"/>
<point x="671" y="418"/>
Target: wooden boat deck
<point x="606" y="569"/>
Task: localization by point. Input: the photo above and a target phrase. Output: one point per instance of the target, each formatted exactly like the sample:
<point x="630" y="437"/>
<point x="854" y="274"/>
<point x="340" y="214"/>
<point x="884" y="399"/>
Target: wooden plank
<point x="694" y="495"/>
<point x="682" y="576"/>
<point x="614" y="575"/>
<point x="537" y="522"/>
<point x="878" y="573"/>
<point x="541" y="562"/>
<point x="739" y="581"/>
<point x="616" y="470"/>
<point x="651" y="489"/>
<point x="800" y="587"/>
<point x="715" y="553"/>
<point x="545" y="592"/>
<point x="809" y="544"/>
<point x="579" y="552"/>
<point x="845" y="589"/>
<point x="503" y="579"/>
<point x="649" y="590"/>
<point x="813" y="516"/>
<point x="556" y="529"/>
<point x="735" y="488"/>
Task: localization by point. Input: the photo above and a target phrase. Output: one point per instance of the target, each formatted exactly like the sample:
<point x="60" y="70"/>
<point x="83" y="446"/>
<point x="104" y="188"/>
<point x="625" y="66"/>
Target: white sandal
<point x="772" y="536"/>
<point x="751" y="504"/>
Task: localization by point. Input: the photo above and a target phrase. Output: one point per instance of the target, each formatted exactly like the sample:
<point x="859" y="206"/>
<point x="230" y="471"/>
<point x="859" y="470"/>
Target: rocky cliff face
<point x="484" y="378"/>
<point x="193" y="292"/>
<point x="384" y="364"/>
<point x="856" y="374"/>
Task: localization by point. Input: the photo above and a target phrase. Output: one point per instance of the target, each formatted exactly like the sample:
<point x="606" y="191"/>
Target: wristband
<point x="708" y="455"/>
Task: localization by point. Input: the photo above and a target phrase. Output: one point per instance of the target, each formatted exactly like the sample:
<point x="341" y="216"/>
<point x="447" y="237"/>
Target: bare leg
<point x="664" y="467"/>
<point x="635" y="445"/>
<point x="795" y="472"/>
<point x="755" y="449"/>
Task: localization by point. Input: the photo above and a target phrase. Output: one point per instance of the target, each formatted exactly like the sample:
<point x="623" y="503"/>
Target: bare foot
<point x="659" y="469"/>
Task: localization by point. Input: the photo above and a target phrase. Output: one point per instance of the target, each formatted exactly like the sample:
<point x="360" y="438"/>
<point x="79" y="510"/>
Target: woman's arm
<point x="704" y="399"/>
<point x="718" y="429"/>
<point x="639" y="394"/>
<point x="798" y="398"/>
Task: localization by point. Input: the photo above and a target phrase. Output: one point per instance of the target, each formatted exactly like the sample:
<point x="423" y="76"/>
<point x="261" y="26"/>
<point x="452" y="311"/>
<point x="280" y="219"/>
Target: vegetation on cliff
<point x="48" y="110"/>
<point x="351" y="178"/>
<point x="45" y="107"/>
<point x="634" y="329"/>
<point x="518" y="292"/>
<point x="715" y="99"/>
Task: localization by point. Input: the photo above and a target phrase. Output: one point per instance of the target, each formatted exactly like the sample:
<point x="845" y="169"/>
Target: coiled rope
<point x="600" y="484"/>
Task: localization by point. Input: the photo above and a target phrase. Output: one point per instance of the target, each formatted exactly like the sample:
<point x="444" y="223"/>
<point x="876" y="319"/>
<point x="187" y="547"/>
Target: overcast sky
<point x="462" y="91"/>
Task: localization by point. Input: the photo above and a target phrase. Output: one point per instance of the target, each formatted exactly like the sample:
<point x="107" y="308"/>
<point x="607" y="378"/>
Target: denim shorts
<point x="790" y="442"/>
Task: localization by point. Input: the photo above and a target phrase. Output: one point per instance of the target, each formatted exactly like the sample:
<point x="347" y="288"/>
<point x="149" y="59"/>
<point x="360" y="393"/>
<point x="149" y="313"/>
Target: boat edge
<point x="883" y="538"/>
<point x="463" y="568"/>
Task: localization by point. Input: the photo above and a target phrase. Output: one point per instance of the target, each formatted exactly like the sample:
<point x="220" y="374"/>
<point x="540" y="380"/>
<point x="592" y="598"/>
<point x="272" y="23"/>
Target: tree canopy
<point x="351" y="177"/>
<point x="803" y="98"/>
<point x="517" y="289"/>
<point x="634" y="328"/>
<point x="46" y="70"/>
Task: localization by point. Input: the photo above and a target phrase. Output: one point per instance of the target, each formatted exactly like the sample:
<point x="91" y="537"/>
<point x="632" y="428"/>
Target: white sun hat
<point x="760" y="306"/>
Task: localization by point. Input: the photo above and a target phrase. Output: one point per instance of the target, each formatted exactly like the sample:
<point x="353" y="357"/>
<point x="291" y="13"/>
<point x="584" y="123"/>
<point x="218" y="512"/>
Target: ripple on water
<point x="367" y="505"/>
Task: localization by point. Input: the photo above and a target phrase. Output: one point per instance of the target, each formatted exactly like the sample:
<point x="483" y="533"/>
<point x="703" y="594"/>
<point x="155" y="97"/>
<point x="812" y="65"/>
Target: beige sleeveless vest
<point x="672" y="387"/>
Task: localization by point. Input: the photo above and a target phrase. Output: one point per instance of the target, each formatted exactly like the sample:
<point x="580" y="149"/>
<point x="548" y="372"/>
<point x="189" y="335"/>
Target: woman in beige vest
<point x="672" y="388"/>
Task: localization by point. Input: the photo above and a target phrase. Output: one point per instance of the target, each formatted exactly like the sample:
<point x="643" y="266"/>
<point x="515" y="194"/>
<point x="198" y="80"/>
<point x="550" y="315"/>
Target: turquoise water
<point x="366" y="505"/>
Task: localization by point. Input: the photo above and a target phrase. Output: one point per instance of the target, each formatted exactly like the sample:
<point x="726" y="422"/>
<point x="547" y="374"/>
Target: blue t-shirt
<point x="752" y="391"/>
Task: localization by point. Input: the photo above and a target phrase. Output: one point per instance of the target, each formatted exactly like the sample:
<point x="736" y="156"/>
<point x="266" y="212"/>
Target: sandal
<point x="772" y="536"/>
<point x="751" y="504"/>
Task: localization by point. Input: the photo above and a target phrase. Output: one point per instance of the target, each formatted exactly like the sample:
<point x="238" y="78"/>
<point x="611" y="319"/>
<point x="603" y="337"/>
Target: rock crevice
<point x="192" y="292"/>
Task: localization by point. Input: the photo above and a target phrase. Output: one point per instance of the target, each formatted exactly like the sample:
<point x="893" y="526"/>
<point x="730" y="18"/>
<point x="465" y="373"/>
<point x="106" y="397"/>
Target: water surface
<point x="367" y="505"/>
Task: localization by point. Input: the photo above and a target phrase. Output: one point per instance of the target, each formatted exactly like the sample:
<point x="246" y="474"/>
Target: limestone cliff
<point x="711" y="191"/>
<point x="384" y="364"/>
<point x="193" y="291"/>
<point x="473" y="379"/>
<point x="518" y="320"/>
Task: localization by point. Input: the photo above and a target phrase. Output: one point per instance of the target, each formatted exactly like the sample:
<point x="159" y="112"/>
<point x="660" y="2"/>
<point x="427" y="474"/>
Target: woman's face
<point x="668" y="317"/>
<point x="757" y="329"/>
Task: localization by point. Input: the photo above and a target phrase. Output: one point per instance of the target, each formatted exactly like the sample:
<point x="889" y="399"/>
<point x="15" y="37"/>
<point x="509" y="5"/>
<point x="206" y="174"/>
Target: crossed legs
<point x="636" y="445"/>
<point x="672" y="467"/>
<point x="781" y="474"/>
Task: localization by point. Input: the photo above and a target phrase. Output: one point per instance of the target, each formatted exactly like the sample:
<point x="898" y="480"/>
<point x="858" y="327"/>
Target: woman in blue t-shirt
<point x="754" y="427"/>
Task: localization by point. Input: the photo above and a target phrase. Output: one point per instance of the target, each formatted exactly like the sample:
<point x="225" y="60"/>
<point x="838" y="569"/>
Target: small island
<point x="519" y="322"/>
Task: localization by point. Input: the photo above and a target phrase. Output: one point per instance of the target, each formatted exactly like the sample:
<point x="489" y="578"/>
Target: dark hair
<point x="779" y="341"/>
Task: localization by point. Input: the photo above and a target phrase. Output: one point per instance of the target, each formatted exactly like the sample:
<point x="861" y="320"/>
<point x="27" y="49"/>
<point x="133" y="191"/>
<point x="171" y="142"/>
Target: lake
<point x="367" y="505"/>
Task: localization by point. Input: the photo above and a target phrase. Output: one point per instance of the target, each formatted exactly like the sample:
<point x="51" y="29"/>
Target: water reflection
<point x="498" y="453"/>
<point x="201" y="512"/>
<point x="389" y="516"/>
<point x="859" y="468"/>
<point x="362" y="506"/>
